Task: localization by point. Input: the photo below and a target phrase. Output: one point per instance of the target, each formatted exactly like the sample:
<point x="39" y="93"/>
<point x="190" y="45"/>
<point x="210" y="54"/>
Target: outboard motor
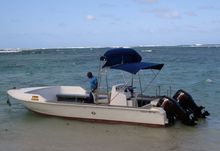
<point x="174" y="110"/>
<point x="188" y="104"/>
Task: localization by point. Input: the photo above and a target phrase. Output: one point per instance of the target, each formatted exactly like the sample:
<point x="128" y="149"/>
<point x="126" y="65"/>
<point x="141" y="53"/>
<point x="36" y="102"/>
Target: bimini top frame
<point x="128" y="60"/>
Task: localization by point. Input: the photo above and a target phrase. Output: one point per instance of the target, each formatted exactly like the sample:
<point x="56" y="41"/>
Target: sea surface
<point x="194" y="69"/>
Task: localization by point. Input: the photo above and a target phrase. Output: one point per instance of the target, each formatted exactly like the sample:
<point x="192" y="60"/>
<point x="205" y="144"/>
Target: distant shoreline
<point x="8" y="50"/>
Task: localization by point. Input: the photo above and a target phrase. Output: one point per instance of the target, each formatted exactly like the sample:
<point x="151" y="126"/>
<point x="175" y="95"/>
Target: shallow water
<point x="196" y="70"/>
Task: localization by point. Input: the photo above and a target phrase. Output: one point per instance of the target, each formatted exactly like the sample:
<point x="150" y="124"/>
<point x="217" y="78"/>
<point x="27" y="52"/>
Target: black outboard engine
<point x="188" y="104"/>
<point x="174" y="110"/>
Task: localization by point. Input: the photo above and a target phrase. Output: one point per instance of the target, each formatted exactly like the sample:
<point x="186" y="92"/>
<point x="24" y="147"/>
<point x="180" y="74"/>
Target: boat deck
<point x="103" y="99"/>
<point x="141" y="101"/>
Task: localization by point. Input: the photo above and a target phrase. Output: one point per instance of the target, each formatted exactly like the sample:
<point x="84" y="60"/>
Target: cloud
<point x="165" y="13"/>
<point x="90" y="18"/>
<point x="106" y="5"/>
<point x="62" y="24"/>
<point x="148" y="1"/>
<point x="216" y="21"/>
<point x="208" y="8"/>
<point x="190" y="13"/>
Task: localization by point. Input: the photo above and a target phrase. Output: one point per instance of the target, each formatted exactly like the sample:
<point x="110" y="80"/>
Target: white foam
<point x="10" y="51"/>
<point x="209" y="80"/>
<point x="148" y="50"/>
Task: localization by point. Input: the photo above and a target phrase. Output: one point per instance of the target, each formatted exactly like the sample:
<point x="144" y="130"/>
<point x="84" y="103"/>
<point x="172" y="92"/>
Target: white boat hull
<point x="99" y="112"/>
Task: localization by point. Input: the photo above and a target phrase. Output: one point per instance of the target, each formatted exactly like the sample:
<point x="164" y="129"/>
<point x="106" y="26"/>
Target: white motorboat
<point x="122" y="104"/>
<point x="67" y="101"/>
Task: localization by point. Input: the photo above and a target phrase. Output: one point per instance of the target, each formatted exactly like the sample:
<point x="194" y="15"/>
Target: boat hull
<point x="99" y="113"/>
<point x="43" y="100"/>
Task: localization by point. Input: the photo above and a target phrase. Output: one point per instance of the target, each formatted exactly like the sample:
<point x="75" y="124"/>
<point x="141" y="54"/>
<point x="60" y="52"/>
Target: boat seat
<point x="79" y="98"/>
<point x="71" y="97"/>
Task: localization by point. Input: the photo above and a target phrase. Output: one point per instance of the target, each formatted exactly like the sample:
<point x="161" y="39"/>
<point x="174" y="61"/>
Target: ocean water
<point x="194" y="69"/>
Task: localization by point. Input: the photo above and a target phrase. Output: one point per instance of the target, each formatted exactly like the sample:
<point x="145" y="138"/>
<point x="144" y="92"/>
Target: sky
<point x="100" y="23"/>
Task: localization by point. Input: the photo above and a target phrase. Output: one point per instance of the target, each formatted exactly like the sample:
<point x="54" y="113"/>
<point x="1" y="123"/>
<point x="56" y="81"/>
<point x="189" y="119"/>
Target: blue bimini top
<point x="128" y="60"/>
<point x="135" y="67"/>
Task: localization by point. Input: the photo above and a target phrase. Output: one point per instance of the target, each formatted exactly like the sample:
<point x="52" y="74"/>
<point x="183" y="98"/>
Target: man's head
<point x="89" y="75"/>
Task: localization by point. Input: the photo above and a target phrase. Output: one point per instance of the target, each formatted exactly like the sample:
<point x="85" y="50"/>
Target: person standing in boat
<point x="93" y="84"/>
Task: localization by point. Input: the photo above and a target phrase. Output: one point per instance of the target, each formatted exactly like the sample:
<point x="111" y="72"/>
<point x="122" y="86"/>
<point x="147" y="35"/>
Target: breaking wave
<point x="10" y="50"/>
<point x="209" y="80"/>
<point x="148" y="50"/>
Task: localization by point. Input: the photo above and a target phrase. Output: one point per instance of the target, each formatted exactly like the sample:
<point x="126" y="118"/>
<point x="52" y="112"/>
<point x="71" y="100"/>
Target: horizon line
<point x="84" y="47"/>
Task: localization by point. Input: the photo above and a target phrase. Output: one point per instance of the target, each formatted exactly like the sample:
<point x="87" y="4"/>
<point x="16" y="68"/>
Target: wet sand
<point x="36" y="133"/>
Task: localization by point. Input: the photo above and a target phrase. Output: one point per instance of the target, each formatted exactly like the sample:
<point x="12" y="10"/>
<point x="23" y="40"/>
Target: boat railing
<point x="154" y="90"/>
<point x="160" y="90"/>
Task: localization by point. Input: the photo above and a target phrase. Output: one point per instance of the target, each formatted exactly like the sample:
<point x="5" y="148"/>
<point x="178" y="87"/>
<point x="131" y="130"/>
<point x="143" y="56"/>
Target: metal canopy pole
<point x="106" y="79"/>
<point x="99" y="77"/>
<point x="155" y="75"/>
<point x="123" y="76"/>
<point x="140" y="84"/>
<point x="132" y="80"/>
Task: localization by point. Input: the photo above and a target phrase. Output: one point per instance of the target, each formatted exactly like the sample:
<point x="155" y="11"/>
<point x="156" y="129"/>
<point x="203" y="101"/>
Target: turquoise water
<point x="194" y="69"/>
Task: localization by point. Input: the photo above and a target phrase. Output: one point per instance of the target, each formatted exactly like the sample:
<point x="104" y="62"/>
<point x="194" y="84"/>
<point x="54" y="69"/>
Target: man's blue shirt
<point x="93" y="83"/>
